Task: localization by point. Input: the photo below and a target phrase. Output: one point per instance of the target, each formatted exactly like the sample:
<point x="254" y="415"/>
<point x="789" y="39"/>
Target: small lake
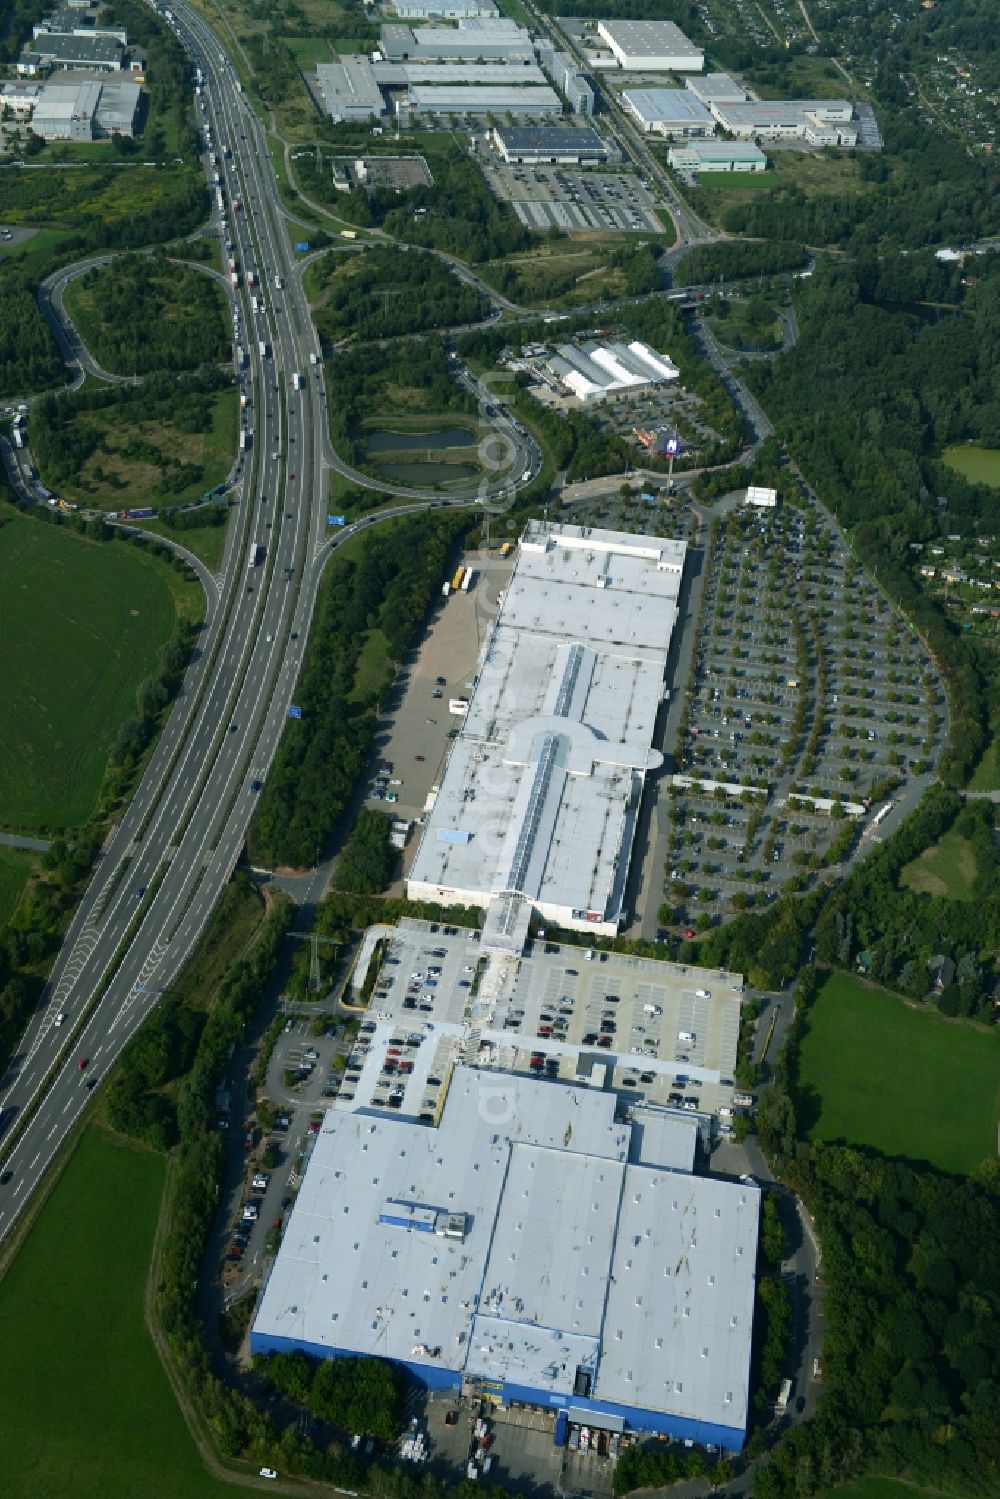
<point x="425" y="442"/>
<point x="425" y="473"/>
<point x="978" y="465"/>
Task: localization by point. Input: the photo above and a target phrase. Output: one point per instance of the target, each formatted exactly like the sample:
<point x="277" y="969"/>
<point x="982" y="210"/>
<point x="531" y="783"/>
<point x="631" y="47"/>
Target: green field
<point x="880" y="1488"/>
<point x="15" y="871"/>
<point x="948" y="868"/>
<point x="978" y="465"/>
<point x="206" y="542"/>
<point x="81" y="625"/>
<point x="986" y="776"/>
<point x="87" y="1408"/>
<point x="906" y="1082"/>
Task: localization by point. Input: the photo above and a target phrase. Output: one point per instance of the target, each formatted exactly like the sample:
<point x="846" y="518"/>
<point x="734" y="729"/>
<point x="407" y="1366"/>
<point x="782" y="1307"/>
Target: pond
<point x="410" y="442"/>
<point x="978" y="465"/>
<point x="425" y="473"/>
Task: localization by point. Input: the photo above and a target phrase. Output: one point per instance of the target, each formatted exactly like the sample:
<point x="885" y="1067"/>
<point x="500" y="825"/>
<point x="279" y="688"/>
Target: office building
<point x="553" y="144"/>
<point x="671" y="112"/>
<point x="651" y="47"/>
<point x="566" y="76"/>
<point x="717" y="156"/>
<point x="538" y="803"/>
<point x="534" y="1246"/>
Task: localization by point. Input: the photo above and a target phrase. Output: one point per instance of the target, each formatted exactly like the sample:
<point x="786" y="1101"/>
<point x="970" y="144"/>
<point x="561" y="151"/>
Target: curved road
<point x="165" y="864"/>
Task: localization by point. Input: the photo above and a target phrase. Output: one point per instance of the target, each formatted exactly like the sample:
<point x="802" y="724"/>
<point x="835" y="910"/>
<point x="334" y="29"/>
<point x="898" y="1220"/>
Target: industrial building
<point x="672" y="112"/>
<point x="443" y="10"/>
<point x="538" y="803"/>
<point x="19" y="97"/>
<point x="821" y="122"/>
<point x="717" y="88"/>
<point x="550" y="144"/>
<point x="96" y="51"/>
<point x="86" y="109"/>
<point x="472" y="40"/>
<point x="484" y="100"/>
<point x="595" y="370"/>
<point x="717" y="156"/>
<point x="651" y="47"/>
<point x="532" y="1245"/>
<point x="349" y="89"/>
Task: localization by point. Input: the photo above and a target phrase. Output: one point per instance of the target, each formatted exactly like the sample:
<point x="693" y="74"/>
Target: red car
<point x="689" y="932"/>
<point x="82" y="1063"/>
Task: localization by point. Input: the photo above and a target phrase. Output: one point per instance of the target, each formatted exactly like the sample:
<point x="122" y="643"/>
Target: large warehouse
<point x="550" y="144"/>
<point x="472" y="40"/>
<point x="538" y="803"/>
<point x="717" y="156"/>
<point x="673" y="112"/>
<point x="532" y="101"/>
<point x="531" y="1247"/>
<point x="651" y="47"/>
<point x="821" y="122"/>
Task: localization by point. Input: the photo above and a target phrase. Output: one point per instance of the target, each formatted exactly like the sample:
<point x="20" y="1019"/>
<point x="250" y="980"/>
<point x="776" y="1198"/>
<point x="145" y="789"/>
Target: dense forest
<point x="29" y="359"/>
<point x="385" y="293"/>
<point x="911" y="1352"/>
<point x="366" y="861"/>
<point x="145" y="313"/>
<point x="728" y="259"/>
<point x="387" y="587"/>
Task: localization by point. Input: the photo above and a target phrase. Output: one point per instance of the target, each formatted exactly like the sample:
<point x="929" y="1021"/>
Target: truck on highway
<point x="241" y="357"/>
<point x="784" y="1395"/>
<point x="279" y="285"/>
<point x="253" y="558"/>
<point x="262" y="346"/>
<point x="251" y="275"/>
<point x="246" y="438"/>
<point x="234" y="278"/>
<point x="296" y="381"/>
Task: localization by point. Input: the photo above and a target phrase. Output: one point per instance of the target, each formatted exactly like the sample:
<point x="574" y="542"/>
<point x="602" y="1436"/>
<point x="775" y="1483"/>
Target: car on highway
<point x="91" y="1083"/>
<point x="60" y="1018"/>
<point x="81" y="1065"/>
<point x="268" y="1472"/>
<point x="5" y="1177"/>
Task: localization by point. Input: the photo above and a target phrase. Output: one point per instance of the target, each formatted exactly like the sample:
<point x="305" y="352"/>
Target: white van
<point x="703" y="993"/>
<point x="685" y="1035"/>
<point x="652" y="1009"/>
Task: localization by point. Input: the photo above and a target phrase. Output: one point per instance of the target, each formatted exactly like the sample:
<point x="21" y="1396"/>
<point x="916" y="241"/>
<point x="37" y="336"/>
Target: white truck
<point x="296" y="381"/>
<point x="262" y="346"/>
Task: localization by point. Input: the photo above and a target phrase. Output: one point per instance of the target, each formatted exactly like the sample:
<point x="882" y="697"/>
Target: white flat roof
<point x="515" y="1242"/>
<point x="536" y="97"/>
<point x="543" y="779"/>
<point x="661" y="106"/>
<point x="651" y="39"/>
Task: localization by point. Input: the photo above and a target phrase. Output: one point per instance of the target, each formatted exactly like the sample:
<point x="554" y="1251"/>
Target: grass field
<point x="881" y="1488"/>
<point x="907" y="1082"/>
<point x="207" y="542"/>
<point x="81" y="624"/>
<point x="813" y="174"/>
<point x="986" y="776"/>
<point x="88" y="1410"/>
<point x="15" y="871"/>
<point x="978" y="465"/>
<point x="129" y="477"/>
<point x="948" y="867"/>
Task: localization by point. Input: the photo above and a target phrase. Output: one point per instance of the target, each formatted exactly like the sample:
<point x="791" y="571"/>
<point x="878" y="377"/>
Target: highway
<point x="164" y="865"/>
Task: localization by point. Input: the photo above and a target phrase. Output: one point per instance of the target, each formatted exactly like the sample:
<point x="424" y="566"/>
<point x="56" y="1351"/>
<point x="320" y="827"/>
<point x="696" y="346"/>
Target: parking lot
<point x="550" y="196"/>
<point x="523" y="1457"/>
<point x="660" y="1033"/>
<point x="811" y="704"/>
<point x="414" y="733"/>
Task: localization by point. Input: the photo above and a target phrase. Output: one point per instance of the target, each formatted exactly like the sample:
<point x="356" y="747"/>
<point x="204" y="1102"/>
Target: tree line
<point x="387" y="587"/>
<point x="29" y="359"/>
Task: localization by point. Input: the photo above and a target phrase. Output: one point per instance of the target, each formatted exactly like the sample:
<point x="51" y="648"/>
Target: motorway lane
<point x="177" y="844"/>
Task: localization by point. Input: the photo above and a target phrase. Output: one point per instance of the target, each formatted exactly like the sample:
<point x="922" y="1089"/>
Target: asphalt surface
<point x="168" y="859"/>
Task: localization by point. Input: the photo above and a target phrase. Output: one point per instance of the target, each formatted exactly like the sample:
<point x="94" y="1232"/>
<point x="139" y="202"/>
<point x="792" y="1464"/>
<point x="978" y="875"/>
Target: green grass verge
<point x="907" y="1082"/>
<point x="948" y="868"/>
<point x="15" y="871"/>
<point x="206" y="542"/>
<point x="374" y="669"/>
<point x="880" y="1488"/>
<point x="82" y="624"/>
<point x="88" y="1410"/>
